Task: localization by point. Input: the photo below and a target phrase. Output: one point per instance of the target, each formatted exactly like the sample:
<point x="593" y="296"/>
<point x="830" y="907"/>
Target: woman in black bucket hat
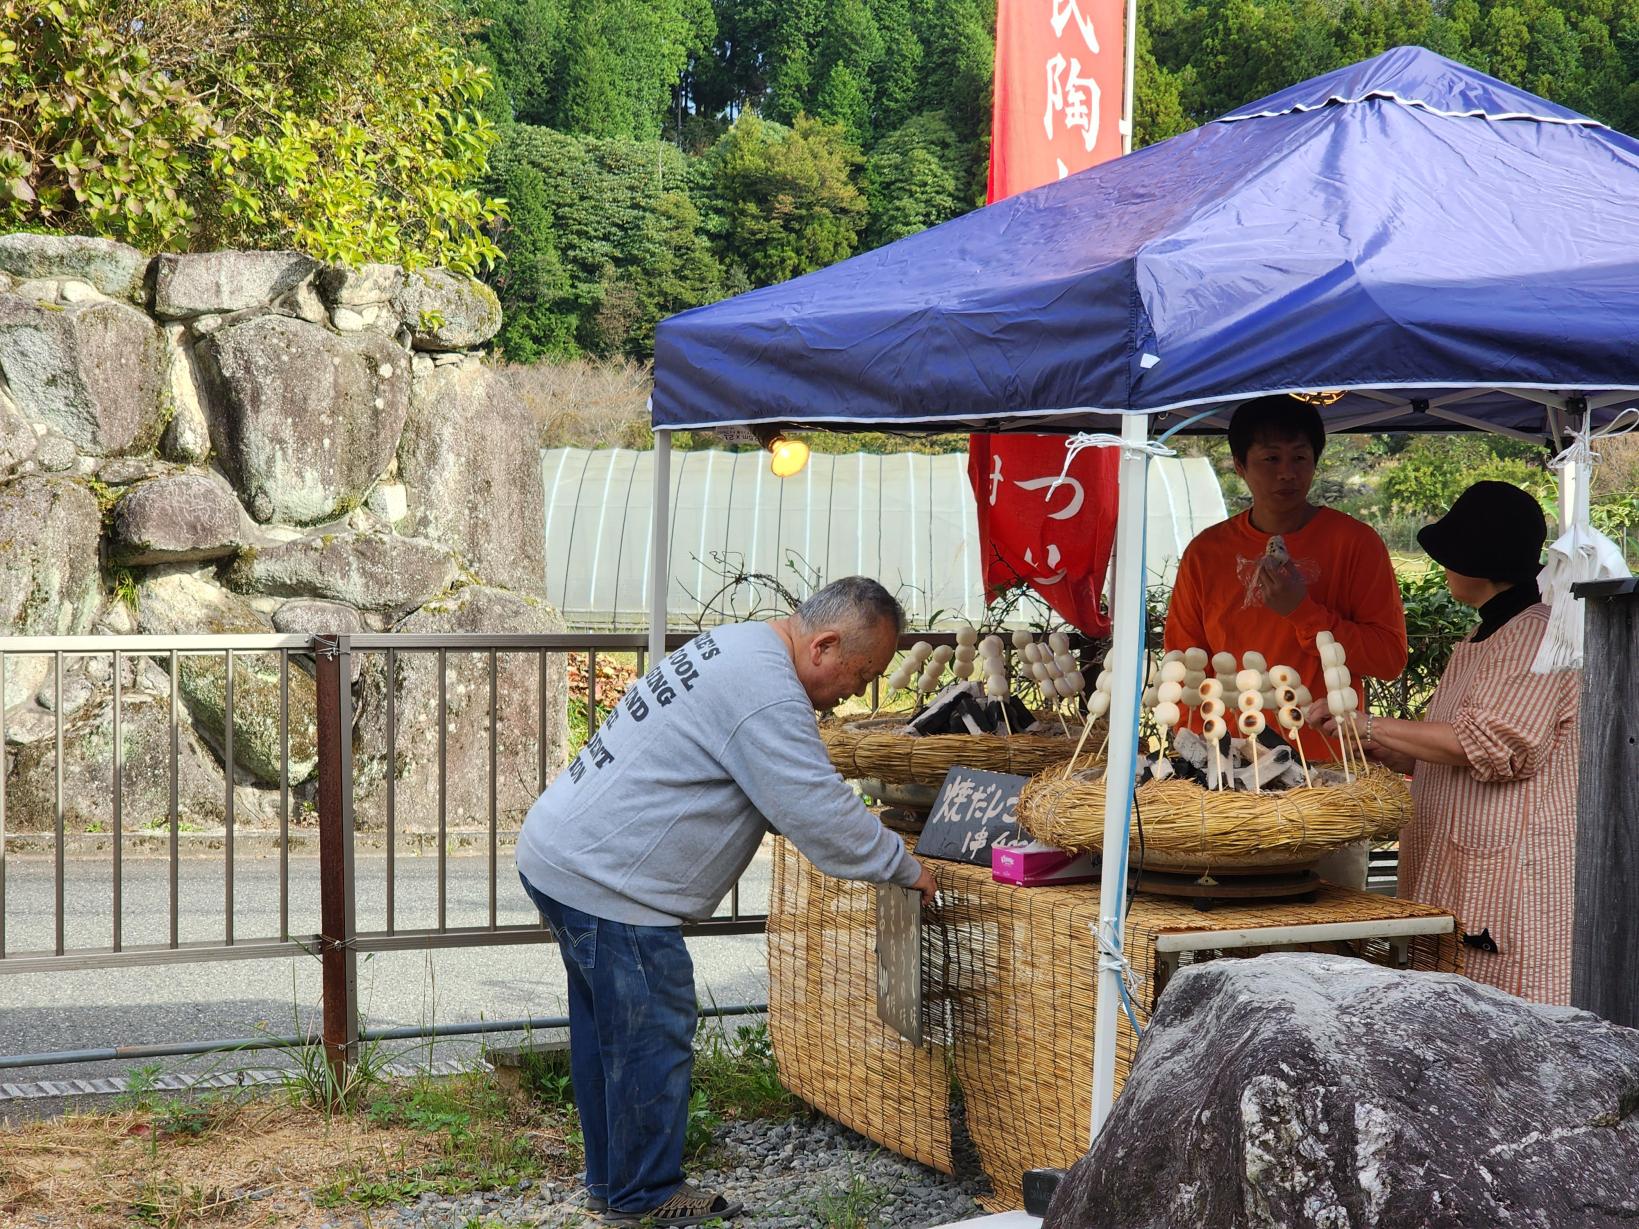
<point x="1494" y="759"/>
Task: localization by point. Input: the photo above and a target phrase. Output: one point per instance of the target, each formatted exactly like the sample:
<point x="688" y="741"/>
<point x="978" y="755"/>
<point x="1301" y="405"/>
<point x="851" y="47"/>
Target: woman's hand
<point x="1395" y="761"/>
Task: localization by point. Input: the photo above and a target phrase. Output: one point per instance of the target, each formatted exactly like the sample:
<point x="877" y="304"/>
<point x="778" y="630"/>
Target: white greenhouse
<point x="907" y="519"/>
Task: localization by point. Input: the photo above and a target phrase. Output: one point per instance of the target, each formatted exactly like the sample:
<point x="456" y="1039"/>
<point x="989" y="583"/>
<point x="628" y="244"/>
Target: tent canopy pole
<point x="1127" y="648"/>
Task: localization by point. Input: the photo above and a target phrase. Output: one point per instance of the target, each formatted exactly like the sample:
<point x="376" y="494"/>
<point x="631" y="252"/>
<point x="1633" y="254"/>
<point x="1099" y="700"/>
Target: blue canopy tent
<point x="1432" y="249"/>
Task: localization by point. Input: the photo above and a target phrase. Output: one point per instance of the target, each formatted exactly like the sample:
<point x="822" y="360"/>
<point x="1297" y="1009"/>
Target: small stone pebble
<point x="789" y="1175"/>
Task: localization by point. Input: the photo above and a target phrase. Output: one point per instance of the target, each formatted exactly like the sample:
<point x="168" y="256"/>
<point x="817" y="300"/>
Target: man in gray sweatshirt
<point x="649" y="827"/>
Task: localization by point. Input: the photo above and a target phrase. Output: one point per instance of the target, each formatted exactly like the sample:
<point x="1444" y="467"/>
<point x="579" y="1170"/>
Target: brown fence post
<point x="335" y="704"/>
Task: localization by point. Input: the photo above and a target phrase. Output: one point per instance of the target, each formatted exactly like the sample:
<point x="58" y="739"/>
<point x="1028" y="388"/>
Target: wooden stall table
<point x="1011" y="976"/>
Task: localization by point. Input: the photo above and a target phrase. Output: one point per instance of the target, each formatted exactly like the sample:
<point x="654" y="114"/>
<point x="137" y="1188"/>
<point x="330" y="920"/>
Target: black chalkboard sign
<point x="974" y="810"/>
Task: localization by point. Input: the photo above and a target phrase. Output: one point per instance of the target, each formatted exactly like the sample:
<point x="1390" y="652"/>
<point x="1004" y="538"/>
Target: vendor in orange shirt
<point x="1232" y="595"/>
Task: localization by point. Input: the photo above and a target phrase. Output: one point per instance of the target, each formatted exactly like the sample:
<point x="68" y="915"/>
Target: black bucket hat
<point x="1494" y="531"/>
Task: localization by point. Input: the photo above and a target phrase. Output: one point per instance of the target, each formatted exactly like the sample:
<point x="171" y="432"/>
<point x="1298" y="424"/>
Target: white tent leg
<point x="660" y="556"/>
<point x="1126" y="605"/>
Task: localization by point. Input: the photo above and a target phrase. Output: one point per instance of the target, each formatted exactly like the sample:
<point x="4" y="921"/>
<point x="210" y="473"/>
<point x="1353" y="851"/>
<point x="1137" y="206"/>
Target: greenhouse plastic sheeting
<point x="906" y="519"/>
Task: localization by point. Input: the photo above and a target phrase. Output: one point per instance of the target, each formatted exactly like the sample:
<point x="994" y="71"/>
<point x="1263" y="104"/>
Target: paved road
<point x="41" y="1012"/>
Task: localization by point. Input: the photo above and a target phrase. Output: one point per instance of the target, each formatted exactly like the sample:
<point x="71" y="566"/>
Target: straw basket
<point x="1188" y="828"/>
<point x="879" y="748"/>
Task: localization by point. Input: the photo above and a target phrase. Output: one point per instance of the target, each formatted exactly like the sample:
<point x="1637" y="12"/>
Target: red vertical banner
<point x="1057" y="110"/>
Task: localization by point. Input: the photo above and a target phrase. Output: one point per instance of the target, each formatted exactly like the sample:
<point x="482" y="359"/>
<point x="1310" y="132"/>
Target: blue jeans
<point x="632" y="1016"/>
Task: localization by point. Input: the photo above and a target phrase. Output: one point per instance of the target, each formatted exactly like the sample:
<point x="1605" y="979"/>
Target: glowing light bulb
<point x="787" y="456"/>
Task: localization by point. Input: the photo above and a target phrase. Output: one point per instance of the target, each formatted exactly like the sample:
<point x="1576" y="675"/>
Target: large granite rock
<point x="88" y="773"/>
<point x="17" y="440"/>
<point x="49" y="584"/>
<point x="95" y="370"/>
<point x="340" y="286"/>
<point x="469" y="460"/>
<point x="112" y="268"/>
<point x="1298" y="1091"/>
<point x="372" y="571"/>
<point x="187" y="437"/>
<point x="447" y="311"/>
<point x="176" y="518"/>
<point x="219" y="282"/>
<point x="415" y="685"/>
<point x="304" y="420"/>
<point x="180" y="603"/>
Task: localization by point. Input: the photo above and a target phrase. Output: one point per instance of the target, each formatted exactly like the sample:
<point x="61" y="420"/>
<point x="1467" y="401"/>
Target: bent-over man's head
<point x="842" y="637"/>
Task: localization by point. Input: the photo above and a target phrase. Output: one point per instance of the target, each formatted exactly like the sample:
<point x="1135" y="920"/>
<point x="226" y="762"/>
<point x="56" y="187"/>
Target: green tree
<point x="910" y="183"/>
<point x="351" y="132"/>
<point x="782" y="200"/>
<point x="603" y="240"/>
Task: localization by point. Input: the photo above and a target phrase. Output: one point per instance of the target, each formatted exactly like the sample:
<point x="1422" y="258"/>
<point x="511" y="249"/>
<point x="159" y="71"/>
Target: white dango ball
<point x="1212" y="729"/>
<point x="1170" y="692"/>
<point x="1038" y="671"/>
<point x="965" y="652"/>
<point x="1251" y="701"/>
<point x="1166" y="713"/>
<point x="1066" y="663"/>
<point x="1174" y="671"/>
<point x="1290" y="717"/>
<point x="990" y="646"/>
<point x="1059" y="643"/>
<point x="1270" y="700"/>
<point x="1031" y="652"/>
<point x="1304" y="698"/>
<point x="1284" y="676"/>
<point x="1021" y="638"/>
<point x="996" y="687"/>
<point x="962" y="669"/>
<point x="1249" y="680"/>
<point x="1251" y="724"/>
<point x="1105" y="681"/>
<point x="942" y="654"/>
<point x="967" y="637"/>
<point x="1224" y="663"/>
<point x="1336" y="678"/>
<point x="900" y="679"/>
<point x="1324" y="638"/>
<point x="1350" y="698"/>
<point x="1150" y="698"/>
<point x="920" y="651"/>
<point x="1196" y="659"/>
<point x="929" y="681"/>
<point x="1194" y="678"/>
<point x="1076" y="681"/>
<point x="1067" y="685"/>
<point x="1210" y="689"/>
<point x="1334" y="703"/>
<point x="1172" y="655"/>
<point x="1098" y="703"/>
<point x="1254" y="661"/>
<point x="1285" y="696"/>
<point x="1212" y="708"/>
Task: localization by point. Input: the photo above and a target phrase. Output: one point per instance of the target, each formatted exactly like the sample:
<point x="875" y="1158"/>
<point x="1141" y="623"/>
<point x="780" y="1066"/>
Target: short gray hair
<point x="852" y="604"/>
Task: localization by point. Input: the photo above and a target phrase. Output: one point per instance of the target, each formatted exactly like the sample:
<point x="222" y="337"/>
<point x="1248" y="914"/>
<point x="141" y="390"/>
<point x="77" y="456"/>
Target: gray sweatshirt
<point x="664" y="807"/>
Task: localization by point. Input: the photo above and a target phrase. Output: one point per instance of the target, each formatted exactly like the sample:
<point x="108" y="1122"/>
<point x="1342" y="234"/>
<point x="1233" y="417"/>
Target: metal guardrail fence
<point x="214" y="665"/>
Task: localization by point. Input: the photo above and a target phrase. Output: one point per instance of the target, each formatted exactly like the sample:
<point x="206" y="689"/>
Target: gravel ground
<point x="799" y="1174"/>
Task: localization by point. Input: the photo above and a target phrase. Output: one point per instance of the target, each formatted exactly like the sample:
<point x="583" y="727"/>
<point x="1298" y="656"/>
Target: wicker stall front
<point x="1011" y="975"/>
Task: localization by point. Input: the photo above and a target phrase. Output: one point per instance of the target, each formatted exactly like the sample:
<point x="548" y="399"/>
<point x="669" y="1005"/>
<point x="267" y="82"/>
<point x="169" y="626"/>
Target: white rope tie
<point x="1103" y="439"/>
<point x="1580" y="450"/>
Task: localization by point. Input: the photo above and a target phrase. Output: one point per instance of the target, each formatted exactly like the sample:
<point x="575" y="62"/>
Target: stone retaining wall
<point x="249" y="442"/>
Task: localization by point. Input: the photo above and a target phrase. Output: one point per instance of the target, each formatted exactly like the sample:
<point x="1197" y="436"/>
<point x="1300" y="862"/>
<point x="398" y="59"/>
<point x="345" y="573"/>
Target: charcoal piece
<point x="940" y="715"/>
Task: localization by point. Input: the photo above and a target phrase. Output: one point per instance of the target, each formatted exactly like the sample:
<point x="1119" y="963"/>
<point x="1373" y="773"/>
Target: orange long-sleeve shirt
<point x="1352" y="593"/>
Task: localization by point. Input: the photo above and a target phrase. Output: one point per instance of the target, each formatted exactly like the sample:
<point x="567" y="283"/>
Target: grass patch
<point x="855" y="1206"/>
<point x="737" y="1072"/>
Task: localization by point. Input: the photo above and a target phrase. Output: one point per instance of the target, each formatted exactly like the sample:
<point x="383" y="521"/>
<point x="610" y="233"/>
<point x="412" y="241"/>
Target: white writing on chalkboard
<point x="973" y="813"/>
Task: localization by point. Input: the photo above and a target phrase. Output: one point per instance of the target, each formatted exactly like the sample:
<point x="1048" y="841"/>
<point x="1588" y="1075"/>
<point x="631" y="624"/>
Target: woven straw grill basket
<point x="1186" y="827"/>
<point x="877" y="748"/>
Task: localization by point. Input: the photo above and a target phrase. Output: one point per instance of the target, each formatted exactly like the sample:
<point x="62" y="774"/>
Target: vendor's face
<point x="832" y="668"/>
<point x="1472" y="590"/>
<point x="1279" y="471"/>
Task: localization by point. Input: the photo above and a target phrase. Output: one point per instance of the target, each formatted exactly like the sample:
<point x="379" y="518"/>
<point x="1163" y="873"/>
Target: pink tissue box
<point x="1038" y="863"/>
